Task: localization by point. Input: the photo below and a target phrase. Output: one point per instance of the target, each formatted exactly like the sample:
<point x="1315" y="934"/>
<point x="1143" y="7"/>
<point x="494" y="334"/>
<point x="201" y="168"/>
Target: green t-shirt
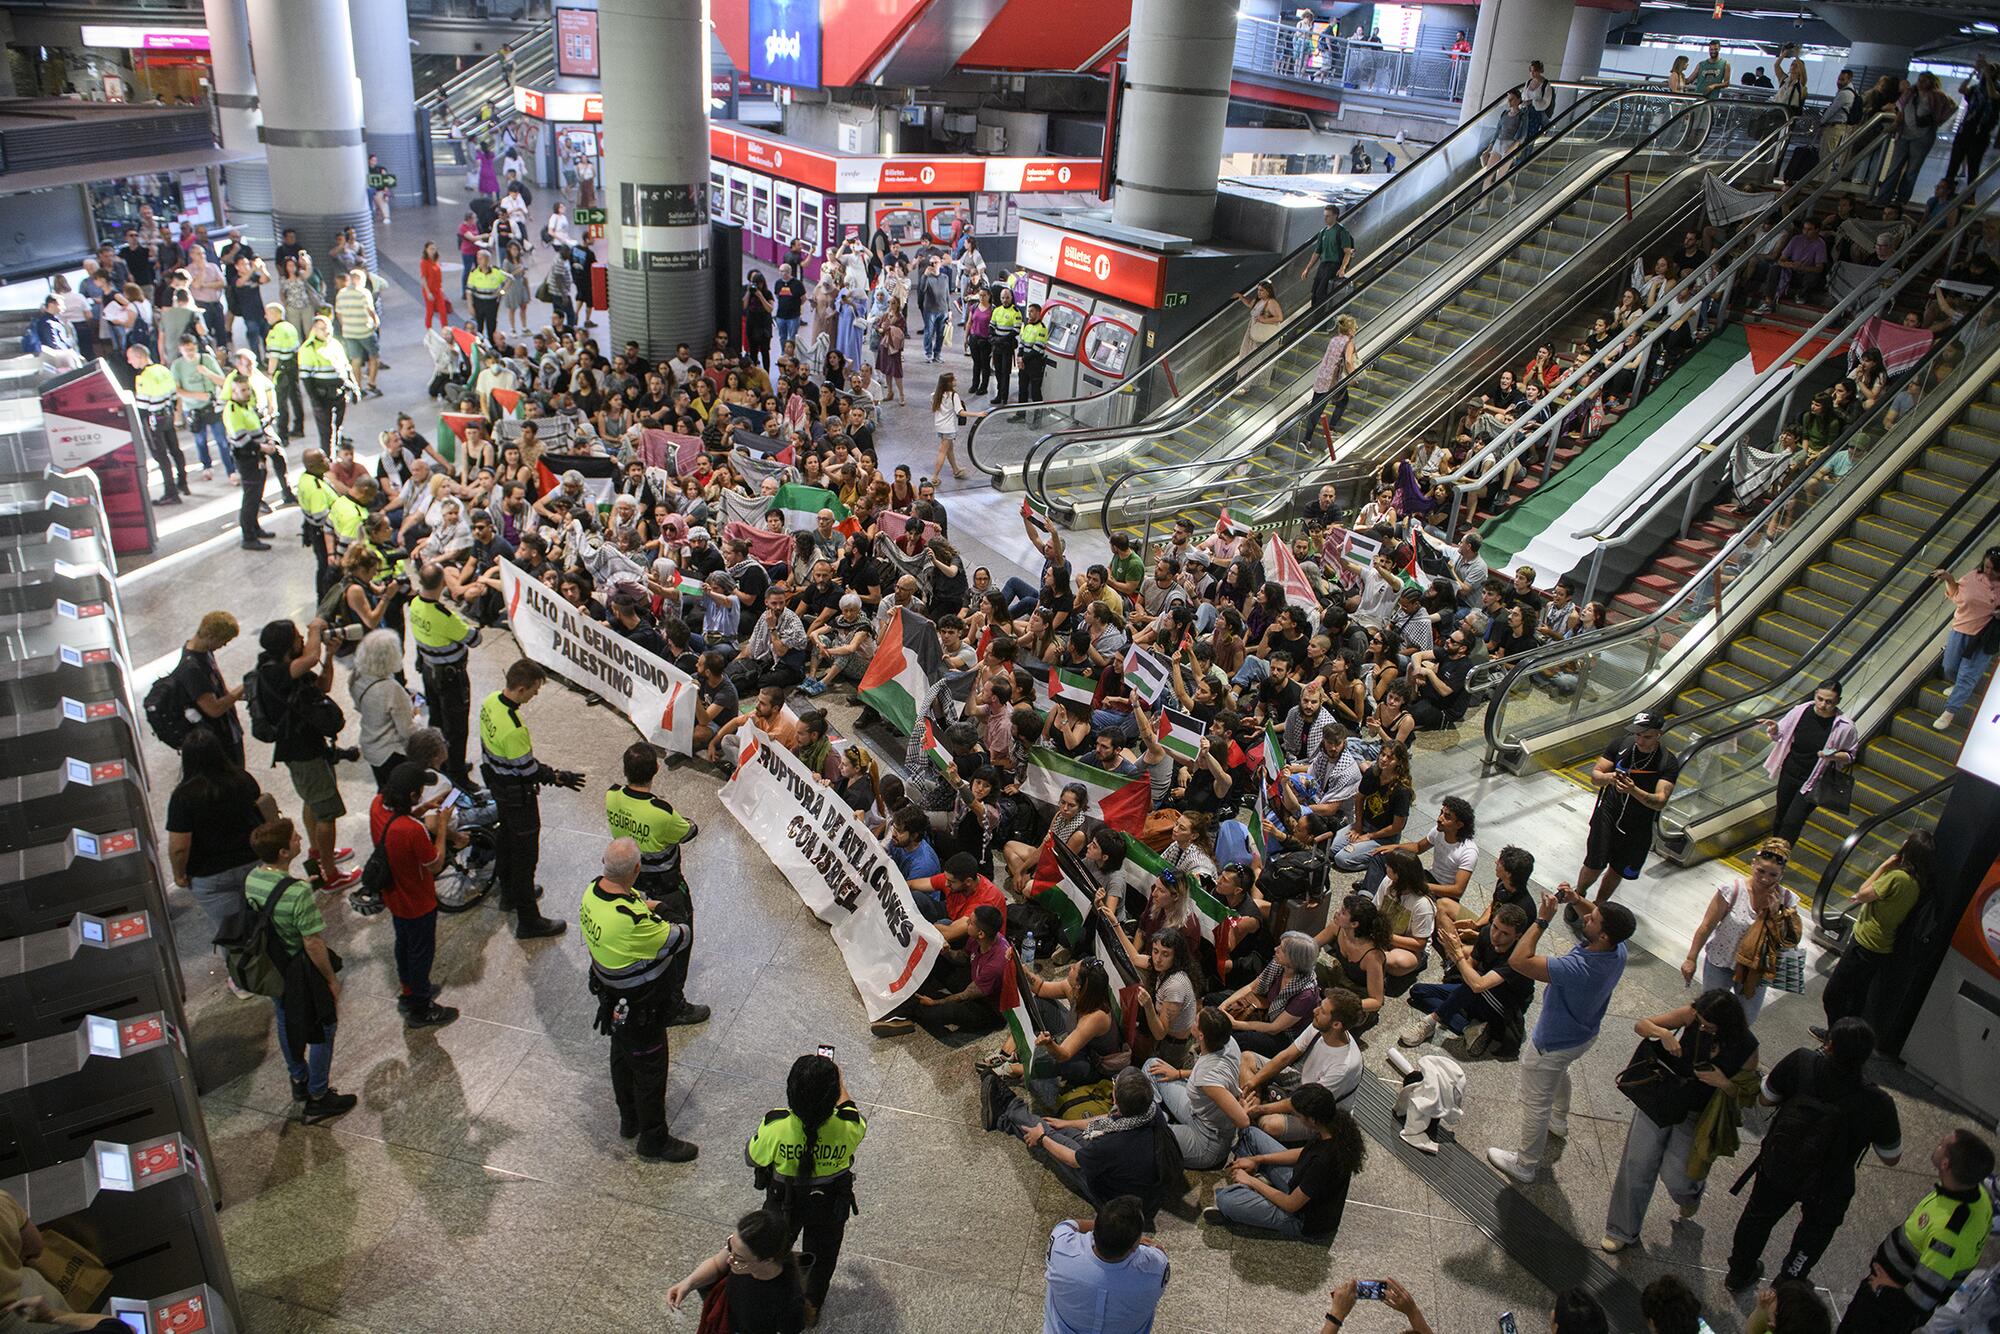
<point x="186" y="374"/>
<point x="1333" y="241"/>
<point x="1128" y="568"/>
<point x="297" y="914"/>
<point x="1875" y="926"/>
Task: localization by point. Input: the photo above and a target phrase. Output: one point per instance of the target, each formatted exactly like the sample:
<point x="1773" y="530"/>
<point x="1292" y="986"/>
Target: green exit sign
<point x="587" y="217"/>
<point x="1174" y="299"/>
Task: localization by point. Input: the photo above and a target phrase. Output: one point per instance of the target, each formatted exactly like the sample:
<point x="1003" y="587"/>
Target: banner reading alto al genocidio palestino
<point x="656" y="696"/>
<point x="839" y="869"/>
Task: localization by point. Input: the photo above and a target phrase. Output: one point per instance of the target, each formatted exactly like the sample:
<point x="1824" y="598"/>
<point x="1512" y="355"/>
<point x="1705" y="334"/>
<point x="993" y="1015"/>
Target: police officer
<point x="486" y="283"/>
<point x="803" y="1154"/>
<point x="243" y="366"/>
<point x="316" y="501"/>
<point x="514" y="774"/>
<point x="346" y="517"/>
<point x="442" y="640"/>
<point x="1920" y="1265"/>
<point x="1006" y="338"/>
<point x="281" y="360"/>
<point x="153" y="391"/>
<point x="1034" y="354"/>
<point x="659" y="830"/>
<point x="328" y="379"/>
<point x="243" y="426"/>
<point x="631" y="947"/>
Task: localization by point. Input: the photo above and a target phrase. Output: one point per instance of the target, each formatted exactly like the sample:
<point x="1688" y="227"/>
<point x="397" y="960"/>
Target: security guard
<point x="1034" y="354"/>
<point x="281" y="360"/>
<point x="659" y="830"/>
<point x="514" y="774"/>
<point x="442" y="640"/>
<point x="1006" y="338"/>
<point x="243" y="426"/>
<point x="1920" y="1265"/>
<point x="486" y="283"/>
<point x="631" y="947"/>
<point x="803" y="1154"/>
<point x="243" y="366"/>
<point x="328" y="379"/>
<point x="346" y="517"/>
<point x="316" y="501"/>
<point x="154" y="392"/>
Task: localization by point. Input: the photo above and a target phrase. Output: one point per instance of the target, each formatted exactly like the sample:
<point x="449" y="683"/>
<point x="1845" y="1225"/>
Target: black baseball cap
<point x="1649" y="722"/>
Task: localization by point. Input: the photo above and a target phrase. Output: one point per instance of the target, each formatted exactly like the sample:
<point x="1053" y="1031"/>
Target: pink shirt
<point x="1978" y="597"/>
<point x="1332" y="363"/>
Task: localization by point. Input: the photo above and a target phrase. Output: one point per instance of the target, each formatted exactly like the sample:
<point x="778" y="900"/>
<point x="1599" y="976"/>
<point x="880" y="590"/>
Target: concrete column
<point x="1583" y="56"/>
<point x="1508" y="35"/>
<point x="388" y="91"/>
<point x="1171" y="116"/>
<point x="246" y="186"/>
<point x="655" y="63"/>
<point x="312" y="130"/>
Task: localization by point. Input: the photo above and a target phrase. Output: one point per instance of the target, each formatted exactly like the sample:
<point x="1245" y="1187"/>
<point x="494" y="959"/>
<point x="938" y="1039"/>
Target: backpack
<point x="375" y="877"/>
<point x="1856" y="113"/>
<point x="166" y="707"/>
<point x="1290" y="876"/>
<point x="263" y="727"/>
<point x="1804" y="1139"/>
<point x="251" y="950"/>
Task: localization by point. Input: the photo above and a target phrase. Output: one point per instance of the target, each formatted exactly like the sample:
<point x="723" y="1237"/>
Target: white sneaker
<point x="1509" y="1163"/>
<point x="1945" y="721"/>
<point x="1417" y="1034"/>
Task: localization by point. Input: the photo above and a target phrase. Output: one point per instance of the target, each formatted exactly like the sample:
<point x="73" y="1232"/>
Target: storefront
<point x="559" y="130"/>
<point x="779" y="191"/>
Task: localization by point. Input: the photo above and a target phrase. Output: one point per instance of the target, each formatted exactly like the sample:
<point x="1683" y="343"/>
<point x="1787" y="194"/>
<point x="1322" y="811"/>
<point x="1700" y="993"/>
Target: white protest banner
<point x="656" y="696"/>
<point x="839" y="869"/>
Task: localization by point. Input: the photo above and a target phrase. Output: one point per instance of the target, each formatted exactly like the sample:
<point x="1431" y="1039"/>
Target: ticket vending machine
<point x="943" y="218"/>
<point x="901" y="219"/>
<point x="50" y="981"/>
<point x="109" y="1076"/>
<point x="146" y="1208"/>
<point x="1111" y="347"/>
<point x="1065" y="311"/>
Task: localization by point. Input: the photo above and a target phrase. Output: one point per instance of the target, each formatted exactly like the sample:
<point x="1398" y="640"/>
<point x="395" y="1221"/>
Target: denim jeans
<point x="1253" y="670"/>
<point x="934" y="334"/>
<point x="202" y="434"/>
<point x="1723" y="979"/>
<point x="1124" y="726"/>
<point x="1964" y="664"/>
<point x="788" y="331"/>
<point x="1443" y="1001"/>
<point x="416" y="947"/>
<point x="1350" y="854"/>
<point x="1202" y="1151"/>
<point x="220" y="894"/>
<point x="1241" y="1204"/>
<point x="1022" y="596"/>
<point x="318" y="1064"/>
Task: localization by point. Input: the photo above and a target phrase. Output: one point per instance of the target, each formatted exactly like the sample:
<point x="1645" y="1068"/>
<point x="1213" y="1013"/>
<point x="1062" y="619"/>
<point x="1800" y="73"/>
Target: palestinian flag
<point x="766" y="547"/>
<point x="892" y="524"/>
<point x="1146" y="674"/>
<point x="801" y="506"/>
<point x="906" y="663"/>
<point x="1125" y="983"/>
<point x="1283" y="568"/>
<point x="508" y="401"/>
<point x="1228" y="527"/>
<point x="1427" y="561"/>
<point x="1066" y="684"/>
<point x="934" y="749"/>
<point x="1115" y="800"/>
<point x="600" y="476"/>
<point x="1037" y="509"/>
<point x="1211" y="912"/>
<point x="1274" y="754"/>
<point x="468" y="345"/>
<point x="1179" y="734"/>
<point x="1062" y="887"/>
<point x="452" y="432"/>
<point x="1020" y="1014"/>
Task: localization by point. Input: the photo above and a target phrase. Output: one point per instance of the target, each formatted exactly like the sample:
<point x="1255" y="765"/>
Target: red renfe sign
<point x="1098" y="266"/>
<point x="903" y="174"/>
<point x="868" y="174"/>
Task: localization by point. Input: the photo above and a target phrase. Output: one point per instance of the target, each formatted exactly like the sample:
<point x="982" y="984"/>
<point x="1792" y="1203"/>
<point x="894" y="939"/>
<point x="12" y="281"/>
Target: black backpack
<point x="166" y="706"/>
<point x="1804" y="1140"/>
<point x="263" y="724"/>
<point x="248" y="938"/>
<point x="1291" y="876"/>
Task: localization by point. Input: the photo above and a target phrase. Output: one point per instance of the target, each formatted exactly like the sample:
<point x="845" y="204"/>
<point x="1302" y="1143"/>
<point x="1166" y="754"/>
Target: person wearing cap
<point x="415" y="837"/>
<point x="1634" y="778"/>
<point x="963" y="992"/>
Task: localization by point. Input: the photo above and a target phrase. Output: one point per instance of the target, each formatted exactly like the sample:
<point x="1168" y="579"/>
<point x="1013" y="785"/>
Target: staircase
<point x="533" y="55"/>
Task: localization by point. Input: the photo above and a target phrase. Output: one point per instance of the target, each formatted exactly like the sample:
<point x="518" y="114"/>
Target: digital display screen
<point x="86" y="844"/>
<point x="784" y="41"/>
<point x="102" y="1036"/>
<point x="93" y="932"/>
<point x="134" y="1320"/>
<point x="112" y="1168"/>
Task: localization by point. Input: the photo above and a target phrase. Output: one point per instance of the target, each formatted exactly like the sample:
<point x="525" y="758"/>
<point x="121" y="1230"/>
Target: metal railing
<point x="1836" y="923"/>
<point x="1353" y="63"/>
<point x="1385" y="434"/>
<point x="533" y="58"/>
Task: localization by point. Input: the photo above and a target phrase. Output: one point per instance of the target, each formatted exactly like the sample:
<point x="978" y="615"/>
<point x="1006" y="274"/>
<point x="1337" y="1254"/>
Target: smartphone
<point x="826" y="1050"/>
<point x="1507" y="1323"/>
<point x="1370" y="1289"/>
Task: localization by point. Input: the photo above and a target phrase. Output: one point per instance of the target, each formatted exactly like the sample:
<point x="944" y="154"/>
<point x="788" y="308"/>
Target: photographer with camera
<point x="293" y="709"/>
<point x="515" y="776"/>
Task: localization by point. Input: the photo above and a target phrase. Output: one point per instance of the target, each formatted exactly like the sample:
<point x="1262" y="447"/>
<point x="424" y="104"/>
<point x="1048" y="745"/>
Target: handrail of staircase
<point x="1446" y="293"/>
<point x="1594" y="641"/>
<point x="1822" y="894"/>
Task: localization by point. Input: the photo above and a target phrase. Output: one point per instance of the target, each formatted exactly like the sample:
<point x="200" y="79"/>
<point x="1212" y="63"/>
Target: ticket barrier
<point x="64" y="594"/>
<point x="127" y="1078"/>
<point x="43" y="550"/>
<point x="116" y="965"/>
<point x="72" y="771"/>
<point x="40" y="668"/>
<point x="145" y="1209"/>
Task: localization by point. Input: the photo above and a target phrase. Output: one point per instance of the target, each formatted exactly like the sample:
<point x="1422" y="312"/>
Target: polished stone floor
<point x="481" y="1183"/>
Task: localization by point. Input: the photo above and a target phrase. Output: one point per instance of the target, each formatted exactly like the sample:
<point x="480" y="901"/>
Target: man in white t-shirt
<point x="1322" y="1054"/>
<point x="1453" y="852"/>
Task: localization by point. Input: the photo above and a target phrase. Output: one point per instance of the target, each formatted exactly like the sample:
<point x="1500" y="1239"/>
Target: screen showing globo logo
<point x="784" y="41"/>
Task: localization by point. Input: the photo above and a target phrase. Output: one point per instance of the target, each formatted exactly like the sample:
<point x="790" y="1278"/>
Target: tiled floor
<point x="481" y="1184"/>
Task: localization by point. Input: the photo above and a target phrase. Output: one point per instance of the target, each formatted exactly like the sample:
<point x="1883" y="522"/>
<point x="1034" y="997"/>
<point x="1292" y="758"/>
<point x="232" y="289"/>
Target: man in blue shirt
<point x="910" y="848"/>
<point x="1103" y="1277"/>
<point x="1577" y="991"/>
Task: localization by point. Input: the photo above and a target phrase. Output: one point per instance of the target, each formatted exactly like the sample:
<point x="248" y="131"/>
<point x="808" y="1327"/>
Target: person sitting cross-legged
<point x="1486" y="1001"/>
<point x="963" y="993"/>
<point x="1324" y="1055"/>
<point x="1202" y="1100"/>
<point x="1299" y="1192"/>
<point x="1100" y="1158"/>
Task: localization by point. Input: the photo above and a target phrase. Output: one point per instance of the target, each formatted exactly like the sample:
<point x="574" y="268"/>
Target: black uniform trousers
<point x="1881" y="1311"/>
<point x="519" y="841"/>
<point x="817" y="1227"/>
<point x="314" y="535"/>
<point x="1770" y="1200"/>
<point x="676" y="905"/>
<point x="329" y="409"/>
<point x="639" y="1076"/>
<point x="1003" y="366"/>
<point x="165" y="447"/>
<point x="250" y="473"/>
<point x="291" y="409"/>
<point x="1034" y="361"/>
<point x="448" y="692"/>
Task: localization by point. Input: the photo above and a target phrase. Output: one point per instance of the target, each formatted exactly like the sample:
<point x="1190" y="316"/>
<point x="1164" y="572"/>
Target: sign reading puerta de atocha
<point x="784" y="41"/>
<point x="664" y="228"/>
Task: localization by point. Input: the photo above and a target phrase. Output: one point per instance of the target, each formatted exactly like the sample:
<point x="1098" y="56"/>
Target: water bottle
<point x="1028" y="950"/>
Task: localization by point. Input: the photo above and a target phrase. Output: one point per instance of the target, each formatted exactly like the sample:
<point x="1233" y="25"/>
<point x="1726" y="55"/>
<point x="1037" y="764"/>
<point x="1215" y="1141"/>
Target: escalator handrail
<point x="1587" y="93"/>
<point x="1595" y="641"/>
<point x="1823" y="892"/>
<point x="1446" y="293"/>
<point x="1381" y="262"/>
<point x="1553" y="410"/>
<point x="457" y="83"/>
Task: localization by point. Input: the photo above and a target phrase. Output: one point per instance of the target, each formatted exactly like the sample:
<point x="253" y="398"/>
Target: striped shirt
<point x="355" y="309"/>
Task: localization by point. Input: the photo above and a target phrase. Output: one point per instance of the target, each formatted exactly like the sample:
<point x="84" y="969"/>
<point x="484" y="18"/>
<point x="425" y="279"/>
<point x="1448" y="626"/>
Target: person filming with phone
<point x="819" y="1126"/>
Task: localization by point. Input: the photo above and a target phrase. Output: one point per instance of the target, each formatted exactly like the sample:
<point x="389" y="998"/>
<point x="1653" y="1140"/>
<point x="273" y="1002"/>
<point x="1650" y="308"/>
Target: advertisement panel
<point x="576" y="43"/>
<point x="90" y="425"/>
<point x="784" y="41"/>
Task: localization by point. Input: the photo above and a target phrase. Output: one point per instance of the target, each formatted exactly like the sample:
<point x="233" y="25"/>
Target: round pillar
<point x="1508" y="35"/>
<point x="1171" y="115"/>
<point x="246" y="186"/>
<point x="654" y="57"/>
<point x="1583" y="54"/>
<point x="388" y="92"/>
<point x="312" y="128"/>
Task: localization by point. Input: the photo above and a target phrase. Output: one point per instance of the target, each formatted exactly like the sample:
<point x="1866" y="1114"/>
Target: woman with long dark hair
<point x="1170" y="1000"/>
<point x="209" y="818"/>
<point x="820" y="1126"/>
<point x="1886" y="898"/>
<point x="1298" y="1192"/>
<point x="1356" y="941"/>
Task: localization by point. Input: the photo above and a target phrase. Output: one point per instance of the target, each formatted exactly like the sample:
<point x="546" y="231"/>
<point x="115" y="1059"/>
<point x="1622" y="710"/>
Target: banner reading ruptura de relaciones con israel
<point x="839" y="869"/>
<point x="656" y="696"/>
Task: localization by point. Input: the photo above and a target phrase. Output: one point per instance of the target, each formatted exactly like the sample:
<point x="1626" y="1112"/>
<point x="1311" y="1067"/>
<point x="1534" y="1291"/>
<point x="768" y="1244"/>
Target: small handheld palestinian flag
<point x="1274" y="754"/>
<point x="1036" y="509"/>
<point x="454" y="429"/>
<point x="1019" y="1013"/>
<point x="1146" y="674"/>
<point x="508" y="401"/>
<point x="1125" y="983"/>
<point x="801" y="506"/>
<point x="934" y="749"/>
<point x="1066" y="684"/>
<point x="1064" y="888"/>
<point x="1228" y="527"/>
<point x="1179" y="734"/>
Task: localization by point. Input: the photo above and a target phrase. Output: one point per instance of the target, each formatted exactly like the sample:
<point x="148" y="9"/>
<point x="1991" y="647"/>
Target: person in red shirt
<point x="964" y="889"/>
<point x="416" y="838"/>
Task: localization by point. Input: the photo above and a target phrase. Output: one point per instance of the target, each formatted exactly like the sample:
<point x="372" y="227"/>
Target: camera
<point x="351" y="633"/>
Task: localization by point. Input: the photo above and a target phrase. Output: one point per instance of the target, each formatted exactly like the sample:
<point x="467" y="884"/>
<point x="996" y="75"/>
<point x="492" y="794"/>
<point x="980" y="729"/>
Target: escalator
<point x="486" y="86"/>
<point x="1205" y="363"/>
<point x="1491" y="287"/>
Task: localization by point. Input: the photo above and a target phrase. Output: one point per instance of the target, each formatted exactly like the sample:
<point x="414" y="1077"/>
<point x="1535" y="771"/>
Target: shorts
<point x="1622" y="850"/>
<point x="360" y="349"/>
<point x="313" y="780"/>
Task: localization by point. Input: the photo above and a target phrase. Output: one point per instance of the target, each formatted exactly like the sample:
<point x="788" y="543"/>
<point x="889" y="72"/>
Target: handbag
<point x="1790" y="974"/>
<point x="1653" y="1086"/>
<point x="715" y="1308"/>
<point x="1262" y="333"/>
<point x="1835" y="789"/>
